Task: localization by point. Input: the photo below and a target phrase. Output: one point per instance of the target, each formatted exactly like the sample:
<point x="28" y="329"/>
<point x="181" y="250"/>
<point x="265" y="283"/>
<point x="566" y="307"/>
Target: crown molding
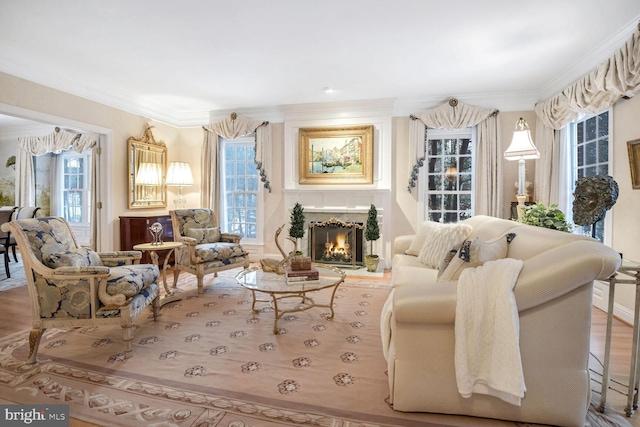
<point x="512" y="101"/>
<point x="588" y="62"/>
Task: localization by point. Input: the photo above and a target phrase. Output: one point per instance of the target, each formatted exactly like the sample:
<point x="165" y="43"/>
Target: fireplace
<point x="337" y="242"/>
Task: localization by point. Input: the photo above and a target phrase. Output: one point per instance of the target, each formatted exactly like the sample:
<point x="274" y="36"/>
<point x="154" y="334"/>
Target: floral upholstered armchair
<point x="70" y="285"/>
<point x="206" y="249"/>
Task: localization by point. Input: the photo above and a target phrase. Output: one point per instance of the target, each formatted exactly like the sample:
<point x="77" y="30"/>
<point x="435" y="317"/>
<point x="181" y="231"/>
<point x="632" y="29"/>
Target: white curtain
<point x="230" y="128"/>
<point x="56" y="142"/>
<point x="617" y="77"/>
<point x="456" y="115"/>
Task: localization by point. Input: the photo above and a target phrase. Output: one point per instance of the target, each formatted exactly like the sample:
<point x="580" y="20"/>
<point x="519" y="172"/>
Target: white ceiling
<point x="177" y="61"/>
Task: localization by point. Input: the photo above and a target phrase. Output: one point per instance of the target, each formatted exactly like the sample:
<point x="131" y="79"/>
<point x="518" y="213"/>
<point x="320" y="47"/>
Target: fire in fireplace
<point x="337" y="242"/>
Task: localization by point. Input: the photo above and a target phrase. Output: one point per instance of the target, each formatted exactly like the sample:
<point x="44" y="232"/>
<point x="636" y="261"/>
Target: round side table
<point x="153" y="252"/>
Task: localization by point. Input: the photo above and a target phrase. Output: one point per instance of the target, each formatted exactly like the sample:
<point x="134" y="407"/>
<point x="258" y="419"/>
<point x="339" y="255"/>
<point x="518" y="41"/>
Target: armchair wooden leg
<point x="176" y="274"/>
<point x="127" y="334"/>
<point x="200" y="283"/>
<point x="155" y="307"/>
<point x="34" y="343"/>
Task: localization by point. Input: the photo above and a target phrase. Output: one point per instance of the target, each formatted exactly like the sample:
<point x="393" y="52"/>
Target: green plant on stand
<point x="550" y="216"/>
<point x="296" y="231"/>
<point x="372" y="233"/>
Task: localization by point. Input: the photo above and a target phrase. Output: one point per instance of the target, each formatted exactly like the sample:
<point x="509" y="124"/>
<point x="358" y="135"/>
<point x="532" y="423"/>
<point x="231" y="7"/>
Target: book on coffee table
<point x="302" y="275"/>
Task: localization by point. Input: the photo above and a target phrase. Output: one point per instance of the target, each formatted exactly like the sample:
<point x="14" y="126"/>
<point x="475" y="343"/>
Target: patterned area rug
<point x="209" y="361"/>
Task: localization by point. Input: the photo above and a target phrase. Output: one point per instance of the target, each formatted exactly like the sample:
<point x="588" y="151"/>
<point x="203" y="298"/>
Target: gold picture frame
<point x="633" y="147"/>
<point x="340" y="155"/>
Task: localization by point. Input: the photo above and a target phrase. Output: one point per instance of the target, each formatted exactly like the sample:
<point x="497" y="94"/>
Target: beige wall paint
<point x="185" y="145"/>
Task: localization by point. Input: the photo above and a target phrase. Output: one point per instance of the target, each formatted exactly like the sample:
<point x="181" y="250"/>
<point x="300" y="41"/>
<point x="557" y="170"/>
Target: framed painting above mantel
<point x="336" y="155"/>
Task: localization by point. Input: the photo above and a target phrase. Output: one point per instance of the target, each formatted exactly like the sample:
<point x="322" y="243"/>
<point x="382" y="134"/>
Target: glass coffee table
<point x="279" y="290"/>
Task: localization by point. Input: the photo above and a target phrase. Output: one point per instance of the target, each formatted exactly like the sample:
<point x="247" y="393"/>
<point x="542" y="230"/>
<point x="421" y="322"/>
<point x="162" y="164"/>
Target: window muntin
<point x="240" y="188"/>
<point x="76" y="187"/>
<point x="449" y="175"/>
<point x="590" y="151"/>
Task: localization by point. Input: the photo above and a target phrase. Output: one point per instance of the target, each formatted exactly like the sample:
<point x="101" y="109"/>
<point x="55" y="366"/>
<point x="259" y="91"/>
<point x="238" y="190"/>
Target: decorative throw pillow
<point x="440" y="240"/>
<point x="418" y="239"/>
<point x="80" y="257"/>
<point x="447" y="259"/>
<point x="476" y="252"/>
<point x="204" y="235"/>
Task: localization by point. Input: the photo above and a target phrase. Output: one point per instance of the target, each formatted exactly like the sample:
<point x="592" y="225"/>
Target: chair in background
<point x="19" y="213"/>
<point x="71" y="286"/>
<point x="5" y="216"/>
<point x="205" y="248"/>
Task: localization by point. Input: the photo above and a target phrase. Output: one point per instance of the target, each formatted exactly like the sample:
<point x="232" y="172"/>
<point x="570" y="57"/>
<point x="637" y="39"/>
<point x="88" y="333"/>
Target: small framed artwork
<point x="340" y="155"/>
<point x="634" y="162"/>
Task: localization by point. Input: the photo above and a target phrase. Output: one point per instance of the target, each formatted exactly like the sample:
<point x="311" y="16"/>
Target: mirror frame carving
<point x="142" y="149"/>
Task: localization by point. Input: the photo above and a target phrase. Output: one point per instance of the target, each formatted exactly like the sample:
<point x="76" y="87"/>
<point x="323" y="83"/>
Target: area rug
<point x="17" y="279"/>
<point x="209" y="361"/>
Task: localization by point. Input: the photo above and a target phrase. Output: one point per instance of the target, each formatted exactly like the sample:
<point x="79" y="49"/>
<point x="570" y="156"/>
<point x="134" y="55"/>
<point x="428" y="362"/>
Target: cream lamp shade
<point x="179" y="175"/>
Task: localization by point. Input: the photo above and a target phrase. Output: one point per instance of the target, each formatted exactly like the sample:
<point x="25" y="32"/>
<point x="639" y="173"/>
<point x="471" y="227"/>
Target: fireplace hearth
<point x="337" y="242"/>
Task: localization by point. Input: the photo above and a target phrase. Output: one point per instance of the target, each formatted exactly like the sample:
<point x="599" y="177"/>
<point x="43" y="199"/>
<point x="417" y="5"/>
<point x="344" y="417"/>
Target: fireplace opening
<point x="337" y="242"/>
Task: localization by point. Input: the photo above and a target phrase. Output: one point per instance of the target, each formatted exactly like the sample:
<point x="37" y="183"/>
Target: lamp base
<point x="521" y="199"/>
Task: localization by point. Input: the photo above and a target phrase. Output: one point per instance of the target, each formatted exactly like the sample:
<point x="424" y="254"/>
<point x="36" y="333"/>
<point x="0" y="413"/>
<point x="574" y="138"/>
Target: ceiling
<point x="177" y="62"/>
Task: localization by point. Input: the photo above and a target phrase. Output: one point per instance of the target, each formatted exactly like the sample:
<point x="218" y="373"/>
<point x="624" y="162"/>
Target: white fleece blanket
<point x="487" y="330"/>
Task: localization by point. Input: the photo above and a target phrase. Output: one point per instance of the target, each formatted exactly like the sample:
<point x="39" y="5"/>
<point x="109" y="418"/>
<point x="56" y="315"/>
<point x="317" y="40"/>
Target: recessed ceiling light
<point x="327" y="89"/>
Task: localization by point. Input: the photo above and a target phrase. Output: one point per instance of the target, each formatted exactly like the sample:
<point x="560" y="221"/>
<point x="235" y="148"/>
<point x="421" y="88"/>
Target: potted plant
<point x="296" y="231"/>
<point x="540" y="215"/>
<point x="371" y="233"/>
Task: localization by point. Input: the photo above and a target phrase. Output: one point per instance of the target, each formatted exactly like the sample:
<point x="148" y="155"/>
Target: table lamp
<point x="179" y="175"/>
<point x="521" y="148"/>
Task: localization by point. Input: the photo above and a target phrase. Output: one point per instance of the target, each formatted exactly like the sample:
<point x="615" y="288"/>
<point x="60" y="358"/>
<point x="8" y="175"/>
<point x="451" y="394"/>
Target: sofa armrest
<point x="230" y="237"/>
<point x="402" y="243"/>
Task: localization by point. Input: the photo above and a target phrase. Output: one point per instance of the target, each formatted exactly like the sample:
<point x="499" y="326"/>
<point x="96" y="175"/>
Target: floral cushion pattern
<point x="129" y="280"/>
<point x="79" y="257"/>
<point x="219" y="251"/>
<point x="204" y="235"/>
<point x="193" y="218"/>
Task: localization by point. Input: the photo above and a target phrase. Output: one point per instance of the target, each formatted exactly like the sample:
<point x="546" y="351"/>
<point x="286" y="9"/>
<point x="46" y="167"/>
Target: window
<point x="76" y="188"/>
<point x="590" y="152"/>
<point x="240" y="188"/>
<point x="449" y="176"/>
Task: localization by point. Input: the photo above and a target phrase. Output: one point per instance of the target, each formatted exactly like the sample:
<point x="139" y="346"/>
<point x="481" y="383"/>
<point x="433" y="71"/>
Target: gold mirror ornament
<point x="147" y="170"/>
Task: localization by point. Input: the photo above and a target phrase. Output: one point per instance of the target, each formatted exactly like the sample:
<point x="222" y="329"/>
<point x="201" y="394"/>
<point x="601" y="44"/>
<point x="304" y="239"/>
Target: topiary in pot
<point x="296" y="231"/>
<point x="371" y="233"/>
<point x="550" y="216"/>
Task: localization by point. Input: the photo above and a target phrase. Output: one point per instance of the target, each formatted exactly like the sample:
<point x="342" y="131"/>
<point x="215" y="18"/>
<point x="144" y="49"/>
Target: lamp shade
<point x="179" y="174"/>
<point x="522" y="146"/>
<point x="149" y="174"/>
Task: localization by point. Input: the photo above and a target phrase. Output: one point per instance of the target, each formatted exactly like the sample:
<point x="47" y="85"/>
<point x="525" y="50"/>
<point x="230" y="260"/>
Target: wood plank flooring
<point x="15" y="316"/>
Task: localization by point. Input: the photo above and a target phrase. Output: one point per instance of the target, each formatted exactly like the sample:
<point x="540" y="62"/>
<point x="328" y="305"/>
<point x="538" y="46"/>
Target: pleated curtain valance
<point x="457" y="115"/>
<point x="235" y="126"/>
<point x="617" y="77"/>
<point x="56" y="142"/>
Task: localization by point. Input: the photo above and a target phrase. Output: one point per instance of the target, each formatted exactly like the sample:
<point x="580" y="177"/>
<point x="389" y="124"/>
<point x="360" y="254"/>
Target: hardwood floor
<point x="16" y="317"/>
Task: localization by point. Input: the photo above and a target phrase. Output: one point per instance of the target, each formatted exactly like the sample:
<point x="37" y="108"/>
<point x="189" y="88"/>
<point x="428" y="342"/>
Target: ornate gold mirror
<point x="147" y="172"/>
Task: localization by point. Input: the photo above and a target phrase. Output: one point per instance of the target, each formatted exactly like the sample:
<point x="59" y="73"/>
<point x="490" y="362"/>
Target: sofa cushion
<point x="440" y="240"/>
<point x="129" y="280"/>
<point x="220" y="251"/>
<point x="79" y="257"/>
<point x="418" y="240"/>
<point x="204" y="235"/>
<point x="476" y="252"/>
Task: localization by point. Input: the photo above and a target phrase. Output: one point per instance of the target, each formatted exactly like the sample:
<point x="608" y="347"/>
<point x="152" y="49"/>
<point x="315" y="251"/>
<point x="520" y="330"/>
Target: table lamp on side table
<point x="521" y="148"/>
<point x="179" y="175"/>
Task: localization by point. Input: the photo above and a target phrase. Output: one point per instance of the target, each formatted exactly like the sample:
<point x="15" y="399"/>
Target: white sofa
<point x="553" y="296"/>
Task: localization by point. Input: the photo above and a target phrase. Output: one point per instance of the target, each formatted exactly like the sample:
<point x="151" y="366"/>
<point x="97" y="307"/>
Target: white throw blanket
<point x="487" y="331"/>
